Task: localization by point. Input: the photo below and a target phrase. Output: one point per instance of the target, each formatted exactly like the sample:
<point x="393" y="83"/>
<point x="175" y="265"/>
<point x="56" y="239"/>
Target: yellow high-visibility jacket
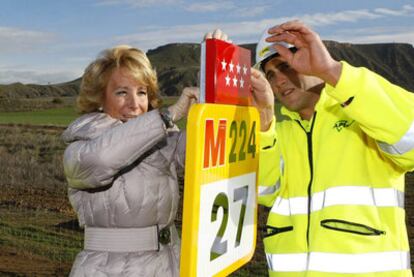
<point x="335" y="184"/>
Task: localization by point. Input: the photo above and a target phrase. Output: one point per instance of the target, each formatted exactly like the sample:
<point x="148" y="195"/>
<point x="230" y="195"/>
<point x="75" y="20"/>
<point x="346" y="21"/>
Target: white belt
<point x="128" y="239"/>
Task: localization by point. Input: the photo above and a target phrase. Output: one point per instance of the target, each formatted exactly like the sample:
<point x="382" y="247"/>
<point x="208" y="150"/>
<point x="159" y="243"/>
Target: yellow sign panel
<point x="220" y="199"/>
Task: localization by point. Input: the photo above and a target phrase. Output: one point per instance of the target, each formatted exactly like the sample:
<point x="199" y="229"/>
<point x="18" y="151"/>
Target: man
<point x="333" y="174"/>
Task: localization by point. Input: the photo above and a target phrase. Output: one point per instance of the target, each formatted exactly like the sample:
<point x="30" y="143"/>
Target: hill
<point x="19" y="90"/>
<point x="394" y="61"/>
<point x="177" y="66"/>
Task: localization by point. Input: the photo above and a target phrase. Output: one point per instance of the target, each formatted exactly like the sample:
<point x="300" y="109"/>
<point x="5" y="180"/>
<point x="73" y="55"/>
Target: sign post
<point x="220" y="199"/>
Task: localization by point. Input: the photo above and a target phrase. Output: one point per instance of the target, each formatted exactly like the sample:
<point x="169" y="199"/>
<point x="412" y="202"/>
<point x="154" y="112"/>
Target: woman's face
<point x="124" y="98"/>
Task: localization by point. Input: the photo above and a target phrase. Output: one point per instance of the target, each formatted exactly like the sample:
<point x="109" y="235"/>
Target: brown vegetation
<point x="39" y="235"/>
<point x="34" y="104"/>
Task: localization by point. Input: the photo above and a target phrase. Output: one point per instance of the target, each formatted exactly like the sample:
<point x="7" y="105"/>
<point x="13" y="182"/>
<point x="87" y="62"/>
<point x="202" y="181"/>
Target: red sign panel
<point x="225" y="73"/>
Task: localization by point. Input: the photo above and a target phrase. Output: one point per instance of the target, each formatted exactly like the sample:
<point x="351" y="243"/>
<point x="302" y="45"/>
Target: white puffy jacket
<point x="106" y="195"/>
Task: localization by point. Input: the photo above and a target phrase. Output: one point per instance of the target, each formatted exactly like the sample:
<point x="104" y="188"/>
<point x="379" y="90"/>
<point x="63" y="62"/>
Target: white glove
<point x="180" y="109"/>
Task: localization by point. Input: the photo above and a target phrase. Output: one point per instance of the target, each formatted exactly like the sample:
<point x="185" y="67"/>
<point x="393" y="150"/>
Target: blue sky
<point x="51" y="41"/>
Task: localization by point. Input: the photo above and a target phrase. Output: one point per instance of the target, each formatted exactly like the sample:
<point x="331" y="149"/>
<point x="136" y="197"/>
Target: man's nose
<point x="280" y="79"/>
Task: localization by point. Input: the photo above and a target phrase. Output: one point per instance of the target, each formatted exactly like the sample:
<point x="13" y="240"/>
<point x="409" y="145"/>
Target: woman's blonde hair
<point x="97" y="74"/>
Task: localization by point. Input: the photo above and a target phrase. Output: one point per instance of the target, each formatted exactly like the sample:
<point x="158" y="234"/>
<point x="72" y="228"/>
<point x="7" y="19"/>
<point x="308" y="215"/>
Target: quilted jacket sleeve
<point x="180" y="153"/>
<point x="93" y="163"/>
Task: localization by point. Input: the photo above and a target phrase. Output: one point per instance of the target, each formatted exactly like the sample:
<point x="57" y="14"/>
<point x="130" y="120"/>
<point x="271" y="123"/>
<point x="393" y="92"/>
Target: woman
<point x="121" y="165"/>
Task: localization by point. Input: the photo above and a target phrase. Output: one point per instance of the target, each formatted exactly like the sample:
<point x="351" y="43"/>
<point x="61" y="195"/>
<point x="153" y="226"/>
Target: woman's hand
<point x="189" y="96"/>
<point x="217" y="34"/>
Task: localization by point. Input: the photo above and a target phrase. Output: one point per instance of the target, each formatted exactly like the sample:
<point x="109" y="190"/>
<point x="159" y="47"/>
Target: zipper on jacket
<point x="351" y="227"/>
<point x="310" y="160"/>
<point x="275" y="230"/>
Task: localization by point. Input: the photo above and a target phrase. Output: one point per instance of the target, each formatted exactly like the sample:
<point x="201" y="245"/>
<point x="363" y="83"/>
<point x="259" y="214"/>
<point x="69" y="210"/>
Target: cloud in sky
<point x="137" y="3"/>
<point x="72" y="55"/>
<point x="319" y="19"/>
<point x="257" y="9"/>
<point x="211" y="6"/>
<point x="248" y="31"/>
<point x="241" y="31"/>
<point x="196" y="7"/>
<point x="406" y="10"/>
<point x="236" y="9"/>
<point x="375" y="35"/>
<point x="36" y="77"/>
<point x="16" y="39"/>
<point x="407" y="36"/>
<point x="251" y="11"/>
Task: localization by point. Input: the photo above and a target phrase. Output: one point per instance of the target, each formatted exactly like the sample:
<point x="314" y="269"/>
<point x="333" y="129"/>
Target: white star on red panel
<point x="234" y="73"/>
<point x="244" y="70"/>
<point x="241" y="82"/>
<point x="231" y="65"/>
<point x="227" y="80"/>
<point x="235" y="81"/>
<point x="223" y="65"/>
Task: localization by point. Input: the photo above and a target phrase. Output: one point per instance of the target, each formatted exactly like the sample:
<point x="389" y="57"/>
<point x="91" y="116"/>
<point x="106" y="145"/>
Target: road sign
<point x="220" y="199"/>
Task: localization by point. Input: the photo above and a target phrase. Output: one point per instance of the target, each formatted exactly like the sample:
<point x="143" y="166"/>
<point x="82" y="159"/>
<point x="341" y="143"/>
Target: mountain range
<point x="177" y="66"/>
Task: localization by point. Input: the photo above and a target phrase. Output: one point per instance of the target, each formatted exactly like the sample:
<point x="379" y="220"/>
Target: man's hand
<point x="311" y="57"/>
<point x="263" y="98"/>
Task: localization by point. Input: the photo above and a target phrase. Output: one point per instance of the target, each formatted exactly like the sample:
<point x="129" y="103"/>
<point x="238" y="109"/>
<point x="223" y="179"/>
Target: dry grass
<point x="31" y="160"/>
<point x="38" y="231"/>
<point x="34" y="104"/>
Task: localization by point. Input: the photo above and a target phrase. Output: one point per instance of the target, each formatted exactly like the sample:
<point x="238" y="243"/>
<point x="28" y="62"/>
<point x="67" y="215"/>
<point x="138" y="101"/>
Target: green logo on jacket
<point x="339" y="125"/>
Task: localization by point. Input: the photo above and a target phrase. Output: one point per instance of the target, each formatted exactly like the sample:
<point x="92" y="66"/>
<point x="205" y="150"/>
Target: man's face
<point x="290" y="87"/>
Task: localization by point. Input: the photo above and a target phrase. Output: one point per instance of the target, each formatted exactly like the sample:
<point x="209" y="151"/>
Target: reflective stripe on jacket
<point x="335" y="184"/>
